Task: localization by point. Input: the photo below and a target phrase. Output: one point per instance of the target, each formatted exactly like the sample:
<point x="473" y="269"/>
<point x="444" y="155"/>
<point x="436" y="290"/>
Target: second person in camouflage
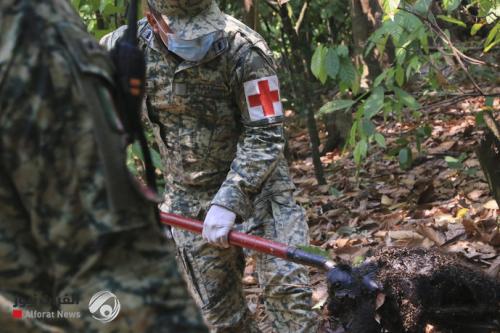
<point x="214" y="105"/>
<point x="71" y="220"/>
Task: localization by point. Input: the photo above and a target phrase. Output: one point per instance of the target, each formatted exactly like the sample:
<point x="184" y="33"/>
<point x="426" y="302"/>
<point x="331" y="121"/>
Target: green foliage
<point x="336" y="105"/>
<point x="457" y="163"/>
<point x="452" y="20"/>
<point x="489" y="14"/>
<point x="451" y="5"/>
<point x="102" y="16"/>
<point x="314" y="250"/>
<point x="336" y="64"/>
<point x="387" y="96"/>
<point x="390" y="7"/>
<point x="405" y="158"/>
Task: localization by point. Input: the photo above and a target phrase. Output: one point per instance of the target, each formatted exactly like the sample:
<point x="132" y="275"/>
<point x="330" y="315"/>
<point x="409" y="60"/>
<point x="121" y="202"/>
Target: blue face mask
<point x="191" y="50"/>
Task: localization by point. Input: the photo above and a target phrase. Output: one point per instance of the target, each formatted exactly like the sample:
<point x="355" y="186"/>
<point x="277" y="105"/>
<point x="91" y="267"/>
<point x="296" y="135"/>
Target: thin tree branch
<point x="272" y="6"/>
<point x="301" y="17"/>
<point x="444" y="37"/>
<point x="457" y="54"/>
<point x="456" y="98"/>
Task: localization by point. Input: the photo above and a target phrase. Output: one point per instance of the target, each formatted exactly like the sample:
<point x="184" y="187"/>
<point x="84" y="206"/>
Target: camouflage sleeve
<point x="260" y="147"/>
<point x="109" y="40"/>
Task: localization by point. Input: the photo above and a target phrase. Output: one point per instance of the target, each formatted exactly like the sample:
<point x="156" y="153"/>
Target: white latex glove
<point x="217" y="225"/>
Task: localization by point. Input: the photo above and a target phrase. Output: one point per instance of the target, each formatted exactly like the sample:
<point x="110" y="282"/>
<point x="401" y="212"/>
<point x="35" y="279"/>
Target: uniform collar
<point x="218" y="47"/>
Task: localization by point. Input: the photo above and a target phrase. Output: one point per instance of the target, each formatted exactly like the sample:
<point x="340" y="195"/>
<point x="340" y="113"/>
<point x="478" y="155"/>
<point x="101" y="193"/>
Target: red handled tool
<point x="258" y="244"/>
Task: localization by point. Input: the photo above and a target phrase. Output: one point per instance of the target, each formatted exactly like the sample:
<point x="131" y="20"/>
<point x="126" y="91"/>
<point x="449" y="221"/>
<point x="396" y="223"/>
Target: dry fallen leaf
<point x="462" y="212"/>
<point x="404" y="234"/>
<point x="319" y="296"/>
<point x="341" y="242"/>
<point x="444" y="218"/>
<point x="386" y="201"/>
<point x="473" y="250"/>
<point x="491" y="204"/>
<point x="442" y="148"/>
<point x="475" y="195"/>
<point x="434" y="235"/>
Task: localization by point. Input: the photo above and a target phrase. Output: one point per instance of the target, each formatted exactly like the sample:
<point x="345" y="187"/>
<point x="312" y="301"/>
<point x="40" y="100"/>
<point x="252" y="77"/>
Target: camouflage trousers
<point x="214" y="275"/>
<point x="138" y="270"/>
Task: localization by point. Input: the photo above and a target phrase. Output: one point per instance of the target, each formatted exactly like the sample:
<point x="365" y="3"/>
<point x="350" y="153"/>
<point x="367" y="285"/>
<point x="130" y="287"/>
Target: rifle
<point x="131" y="75"/>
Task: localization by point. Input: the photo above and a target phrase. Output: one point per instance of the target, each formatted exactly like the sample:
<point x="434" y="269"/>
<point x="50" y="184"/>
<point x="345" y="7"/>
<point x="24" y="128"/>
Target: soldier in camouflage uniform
<point x="72" y="222"/>
<point x="214" y="106"/>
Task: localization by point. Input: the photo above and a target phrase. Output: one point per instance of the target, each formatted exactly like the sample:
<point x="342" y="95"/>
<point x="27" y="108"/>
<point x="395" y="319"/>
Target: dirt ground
<point x="442" y="201"/>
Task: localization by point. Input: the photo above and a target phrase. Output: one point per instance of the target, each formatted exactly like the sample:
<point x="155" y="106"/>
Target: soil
<point x="417" y="288"/>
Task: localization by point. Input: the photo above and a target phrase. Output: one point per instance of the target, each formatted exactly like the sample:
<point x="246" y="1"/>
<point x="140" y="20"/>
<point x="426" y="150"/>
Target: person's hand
<point x="217" y="225"/>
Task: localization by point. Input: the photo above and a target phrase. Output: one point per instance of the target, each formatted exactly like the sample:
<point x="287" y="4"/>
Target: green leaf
<point x="490" y="46"/>
<point x="156" y="158"/>
<point x="379" y="138"/>
<point x="336" y="193"/>
<point x="332" y="63"/>
<point x="390" y="7"/>
<point x="413" y="66"/>
<point x="451" y="5"/>
<point x="422" y="6"/>
<point x="489" y="101"/>
<point x="358" y="260"/>
<point x="492" y="38"/>
<point x="380" y="78"/>
<point x="346" y="230"/>
<point x="452" y="20"/>
<point x="400" y="76"/>
<point x="368" y="127"/>
<point x="490" y="9"/>
<point x="406" y="98"/>
<point x="347" y="71"/>
<point x="111" y="10"/>
<point x="475" y="28"/>
<point x="318" y="67"/>
<point x="360" y="151"/>
<point x="471" y="171"/>
<point x="424" y="131"/>
<point x="136" y="150"/>
<point x="336" y="105"/>
<point x="342" y="51"/>
<point x="98" y="34"/>
<point x="375" y="102"/>
<point x="453" y="163"/>
<point x="480" y="119"/>
<point x="104" y="3"/>
<point x="352" y="133"/>
<point x="405" y="158"/>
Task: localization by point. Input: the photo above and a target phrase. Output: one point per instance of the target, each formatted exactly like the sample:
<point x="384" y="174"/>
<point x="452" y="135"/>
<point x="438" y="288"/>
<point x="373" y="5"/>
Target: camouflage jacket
<point x="13" y="22"/>
<point x="212" y="142"/>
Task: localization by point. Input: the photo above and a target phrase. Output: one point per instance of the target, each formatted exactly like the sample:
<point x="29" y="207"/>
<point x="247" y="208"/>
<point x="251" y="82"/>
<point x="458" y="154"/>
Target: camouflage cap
<point x="190" y="19"/>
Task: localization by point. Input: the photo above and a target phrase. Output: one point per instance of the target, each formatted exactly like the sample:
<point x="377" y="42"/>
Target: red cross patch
<point x="263" y="98"/>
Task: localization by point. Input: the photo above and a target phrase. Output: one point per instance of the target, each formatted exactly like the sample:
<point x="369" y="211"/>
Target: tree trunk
<point x="338" y="126"/>
<point x="366" y="16"/>
<point x="301" y="77"/>
<point x="252" y="14"/>
<point x="488" y="154"/>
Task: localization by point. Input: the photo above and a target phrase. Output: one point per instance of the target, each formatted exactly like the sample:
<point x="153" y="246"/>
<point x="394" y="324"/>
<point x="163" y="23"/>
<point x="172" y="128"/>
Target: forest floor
<point x="441" y="201"/>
